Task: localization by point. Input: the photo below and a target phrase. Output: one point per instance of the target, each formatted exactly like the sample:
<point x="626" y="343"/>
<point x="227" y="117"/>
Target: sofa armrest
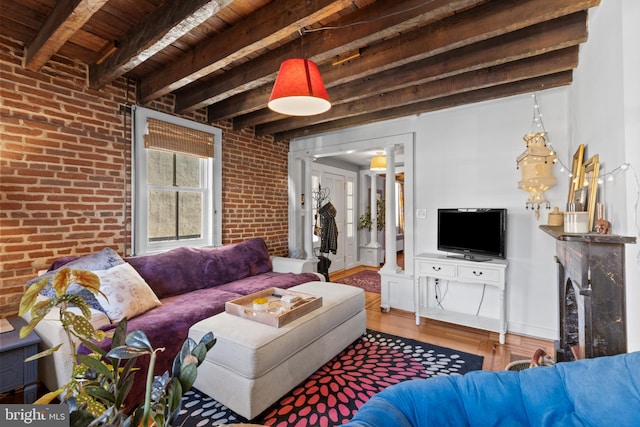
<point x="55" y="370"/>
<point x="294" y="265"/>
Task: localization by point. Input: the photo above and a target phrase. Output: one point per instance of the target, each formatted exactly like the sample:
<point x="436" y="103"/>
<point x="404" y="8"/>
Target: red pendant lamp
<point x="299" y="90"/>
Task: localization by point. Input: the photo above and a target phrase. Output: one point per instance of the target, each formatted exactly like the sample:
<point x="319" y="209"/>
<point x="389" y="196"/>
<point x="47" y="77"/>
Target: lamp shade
<point x="299" y="90"/>
<point x="536" y="165"/>
<point x="378" y="163"/>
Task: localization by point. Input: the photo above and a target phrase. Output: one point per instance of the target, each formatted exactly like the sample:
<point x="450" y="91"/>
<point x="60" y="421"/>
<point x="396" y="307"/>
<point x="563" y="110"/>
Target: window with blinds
<point x="175" y="189"/>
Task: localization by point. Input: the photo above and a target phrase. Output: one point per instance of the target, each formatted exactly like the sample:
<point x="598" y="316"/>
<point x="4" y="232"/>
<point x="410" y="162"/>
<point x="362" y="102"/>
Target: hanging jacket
<point x="329" y="233"/>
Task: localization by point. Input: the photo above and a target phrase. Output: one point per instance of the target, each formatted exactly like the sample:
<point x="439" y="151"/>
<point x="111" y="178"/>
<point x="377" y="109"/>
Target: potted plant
<point x="365" y="219"/>
<point x="101" y="380"/>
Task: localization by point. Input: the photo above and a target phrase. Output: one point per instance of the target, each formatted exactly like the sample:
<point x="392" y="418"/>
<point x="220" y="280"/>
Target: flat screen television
<point x="474" y="234"/>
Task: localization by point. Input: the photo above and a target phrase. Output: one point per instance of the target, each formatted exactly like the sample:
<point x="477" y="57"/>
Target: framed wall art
<point x="591" y="171"/>
<point x="577" y="170"/>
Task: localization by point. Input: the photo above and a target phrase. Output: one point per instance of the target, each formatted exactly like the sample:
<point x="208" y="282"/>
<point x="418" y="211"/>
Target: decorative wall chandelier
<point x="299" y="89"/>
<point x="378" y="163"/>
<point x="536" y="164"/>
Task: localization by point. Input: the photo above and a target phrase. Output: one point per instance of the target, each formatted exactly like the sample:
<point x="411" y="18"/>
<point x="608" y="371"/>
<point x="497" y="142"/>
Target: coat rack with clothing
<point x="326" y="228"/>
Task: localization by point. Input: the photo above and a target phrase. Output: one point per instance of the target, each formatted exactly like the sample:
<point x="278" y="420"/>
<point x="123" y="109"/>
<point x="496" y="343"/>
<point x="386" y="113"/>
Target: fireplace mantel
<point x="591" y="290"/>
<point x="559" y="234"/>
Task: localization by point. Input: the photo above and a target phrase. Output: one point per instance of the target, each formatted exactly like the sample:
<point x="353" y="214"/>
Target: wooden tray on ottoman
<point x="278" y="314"/>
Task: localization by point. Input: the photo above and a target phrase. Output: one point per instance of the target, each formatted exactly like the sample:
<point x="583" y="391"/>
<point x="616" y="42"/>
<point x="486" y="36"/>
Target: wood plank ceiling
<point x="379" y="59"/>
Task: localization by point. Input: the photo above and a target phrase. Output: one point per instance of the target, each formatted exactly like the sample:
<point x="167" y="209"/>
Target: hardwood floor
<point x="403" y="323"/>
<point x="475" y="341"/>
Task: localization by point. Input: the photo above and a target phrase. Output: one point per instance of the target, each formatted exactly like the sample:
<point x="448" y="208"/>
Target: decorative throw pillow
<point x="127" y="294"/>
<point x="102" y="260"/>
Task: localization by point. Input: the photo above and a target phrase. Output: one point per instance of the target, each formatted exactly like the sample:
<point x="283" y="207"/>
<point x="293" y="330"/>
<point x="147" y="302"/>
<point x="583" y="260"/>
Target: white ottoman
<point x="252" y="365"/>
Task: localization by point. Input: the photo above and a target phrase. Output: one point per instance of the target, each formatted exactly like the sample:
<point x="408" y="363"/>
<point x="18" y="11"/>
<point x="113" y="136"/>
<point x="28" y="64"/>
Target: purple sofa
<point x="193" y="284"/>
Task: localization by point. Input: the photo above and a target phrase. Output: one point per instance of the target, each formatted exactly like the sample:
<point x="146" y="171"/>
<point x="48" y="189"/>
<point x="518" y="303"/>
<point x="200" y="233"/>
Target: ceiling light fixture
<point x="378" y="163"/>
<point x="536" y="164"/>
<point x="299" y="90"/>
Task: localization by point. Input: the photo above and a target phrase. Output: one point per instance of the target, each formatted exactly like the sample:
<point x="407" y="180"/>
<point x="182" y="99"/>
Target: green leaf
<point x="124" y="387"/>
<point x="80" y="325"/>
<point x="120" y="334"/>
<point x="99" y="393"/>
<point x="87" y="279"/>
<point x="42" y="308"/>
<point x="200" y="352"/>
<point x="176" y="366"/>
<point x="48" y="397"/>
<point x="138" y="339"/>
<point x="28" y="328"/>
<point x="61" y="281"/>
<point x="209" y="340"/>
<point x="30" y="296"/>
<point x="79" y="302"/>
<point x="174" y="393"/>
<point x="44" y="353"/>
<point x="126" y="352"/>
<point x="80" y="418"/>
<point x="188" y="376"/>
<point x="93" y="347"/>
<point x="95" y="364"/>
<point x="127" y="371"/>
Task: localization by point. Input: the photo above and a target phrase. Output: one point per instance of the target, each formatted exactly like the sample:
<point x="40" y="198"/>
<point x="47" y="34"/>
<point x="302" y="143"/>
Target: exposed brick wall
<point x="65" y="171"/>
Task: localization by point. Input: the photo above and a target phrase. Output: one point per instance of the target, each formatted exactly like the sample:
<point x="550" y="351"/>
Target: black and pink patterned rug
<point x="369" y="280"/>
<point x="333" y="394"/>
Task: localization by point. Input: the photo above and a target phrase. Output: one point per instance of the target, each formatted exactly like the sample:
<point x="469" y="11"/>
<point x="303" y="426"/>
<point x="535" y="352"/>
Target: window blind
<point x="178" y="139"/>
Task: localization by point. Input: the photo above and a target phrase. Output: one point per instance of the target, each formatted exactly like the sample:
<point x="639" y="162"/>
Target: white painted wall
<point x="605" y="116"/>
<point x="465" y="157"/>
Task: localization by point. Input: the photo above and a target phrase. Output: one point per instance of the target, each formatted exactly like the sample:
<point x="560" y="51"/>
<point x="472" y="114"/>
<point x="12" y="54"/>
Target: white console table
<point x="441" y="267"/>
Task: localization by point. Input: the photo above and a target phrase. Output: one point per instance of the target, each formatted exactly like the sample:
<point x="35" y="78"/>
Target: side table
<point x="14" y="371"/>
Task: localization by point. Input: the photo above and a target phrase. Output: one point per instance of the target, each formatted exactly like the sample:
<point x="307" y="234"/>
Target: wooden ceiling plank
<point x="525" y="86"/>
<point x="268" y="25"/>
<point x="163" y="26"/>
<point x="477" y="24"/>
<point x="318" y="46"/>
<point x="549" y="63"/>
<point x="530" y="41"/>
<point x="67" y="17"/>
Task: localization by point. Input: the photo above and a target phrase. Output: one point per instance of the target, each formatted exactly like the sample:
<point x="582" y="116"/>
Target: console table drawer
<point x="435" y="269"/>
<point x="478" y="273"/>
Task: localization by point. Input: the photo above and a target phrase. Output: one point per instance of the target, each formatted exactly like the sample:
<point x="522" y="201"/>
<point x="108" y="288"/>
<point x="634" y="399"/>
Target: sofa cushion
<point x="589" y="392"/>
<point x="124" y="293"/>
<point x="252" y="284"/>
<point x="184" y="269"/>
<point x="101" y="260"/>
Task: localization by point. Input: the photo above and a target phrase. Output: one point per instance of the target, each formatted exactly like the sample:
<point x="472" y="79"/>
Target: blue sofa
<point x="604" y="391"/>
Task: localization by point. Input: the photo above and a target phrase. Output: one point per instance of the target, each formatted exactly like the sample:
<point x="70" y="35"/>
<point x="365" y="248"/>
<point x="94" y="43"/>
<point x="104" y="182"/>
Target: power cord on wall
<point x="484" y="287"/>
<point x="440" y="296"/>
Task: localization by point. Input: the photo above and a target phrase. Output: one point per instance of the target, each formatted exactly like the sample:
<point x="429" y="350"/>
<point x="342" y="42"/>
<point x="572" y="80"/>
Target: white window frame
<point x="211" y="177"/>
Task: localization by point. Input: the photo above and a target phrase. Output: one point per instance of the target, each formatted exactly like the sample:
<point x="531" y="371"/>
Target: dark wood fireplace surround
<point x="591" y="285"/>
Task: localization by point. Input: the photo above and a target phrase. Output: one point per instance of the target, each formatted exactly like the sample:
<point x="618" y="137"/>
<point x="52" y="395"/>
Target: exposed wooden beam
<point x="259" y="30"/>
<point x="525" y="86"/>
<point x="319" y="47"/>
<point x="67" y="17"/>
<point x="549" y="63"/>
<point x="162" y="27"/>
<point x="474" y="25"/>
<point x="535" y="40"/>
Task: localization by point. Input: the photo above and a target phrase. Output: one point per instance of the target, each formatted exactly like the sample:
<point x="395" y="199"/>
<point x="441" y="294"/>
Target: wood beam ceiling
<point x="412" y="56"/>
<point x="66" y="18"/>
<point x="172" y="20"/>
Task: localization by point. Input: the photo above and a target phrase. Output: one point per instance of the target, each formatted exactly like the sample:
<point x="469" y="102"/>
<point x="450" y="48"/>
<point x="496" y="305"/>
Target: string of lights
<point x="602" y="177"/>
